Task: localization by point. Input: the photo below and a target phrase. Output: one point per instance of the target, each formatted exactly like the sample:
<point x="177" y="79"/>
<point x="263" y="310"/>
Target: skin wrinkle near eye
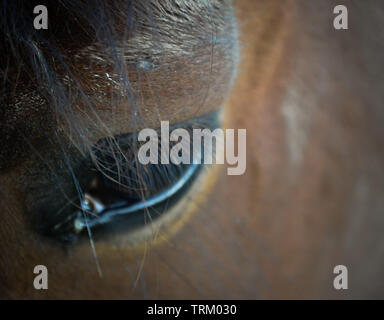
<point x="170" y="59"/>
<point x="197" y="69"/>
<point x="92" y="83"/>
<point x="175" y="72"/>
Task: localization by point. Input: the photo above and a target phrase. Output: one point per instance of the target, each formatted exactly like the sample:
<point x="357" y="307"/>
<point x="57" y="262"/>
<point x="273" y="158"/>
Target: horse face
<point x="308" y="201"/>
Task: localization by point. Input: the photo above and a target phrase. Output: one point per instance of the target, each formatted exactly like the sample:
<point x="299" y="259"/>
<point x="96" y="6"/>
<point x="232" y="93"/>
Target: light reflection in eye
<point x="100" y="214"/>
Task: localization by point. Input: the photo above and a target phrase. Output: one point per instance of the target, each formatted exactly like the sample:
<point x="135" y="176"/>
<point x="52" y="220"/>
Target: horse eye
<point x="95" y="213"/>
<point x="123" y="194"/>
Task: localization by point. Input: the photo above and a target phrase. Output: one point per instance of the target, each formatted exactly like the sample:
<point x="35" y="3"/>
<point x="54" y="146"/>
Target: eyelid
<point x="107" y="215"/>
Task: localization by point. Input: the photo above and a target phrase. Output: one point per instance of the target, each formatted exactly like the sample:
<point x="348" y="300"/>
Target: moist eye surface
<point x="122" y="194"/>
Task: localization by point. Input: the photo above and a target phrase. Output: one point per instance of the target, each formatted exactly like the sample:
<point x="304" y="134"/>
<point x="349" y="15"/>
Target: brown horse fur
<point x="309" y="96"/>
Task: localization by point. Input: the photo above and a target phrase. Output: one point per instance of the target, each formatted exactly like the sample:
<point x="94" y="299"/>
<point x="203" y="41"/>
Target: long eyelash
<point x="118" y="162"/>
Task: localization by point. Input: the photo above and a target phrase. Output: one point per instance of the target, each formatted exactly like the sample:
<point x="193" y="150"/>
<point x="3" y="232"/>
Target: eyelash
<point x="117" y="161"/>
